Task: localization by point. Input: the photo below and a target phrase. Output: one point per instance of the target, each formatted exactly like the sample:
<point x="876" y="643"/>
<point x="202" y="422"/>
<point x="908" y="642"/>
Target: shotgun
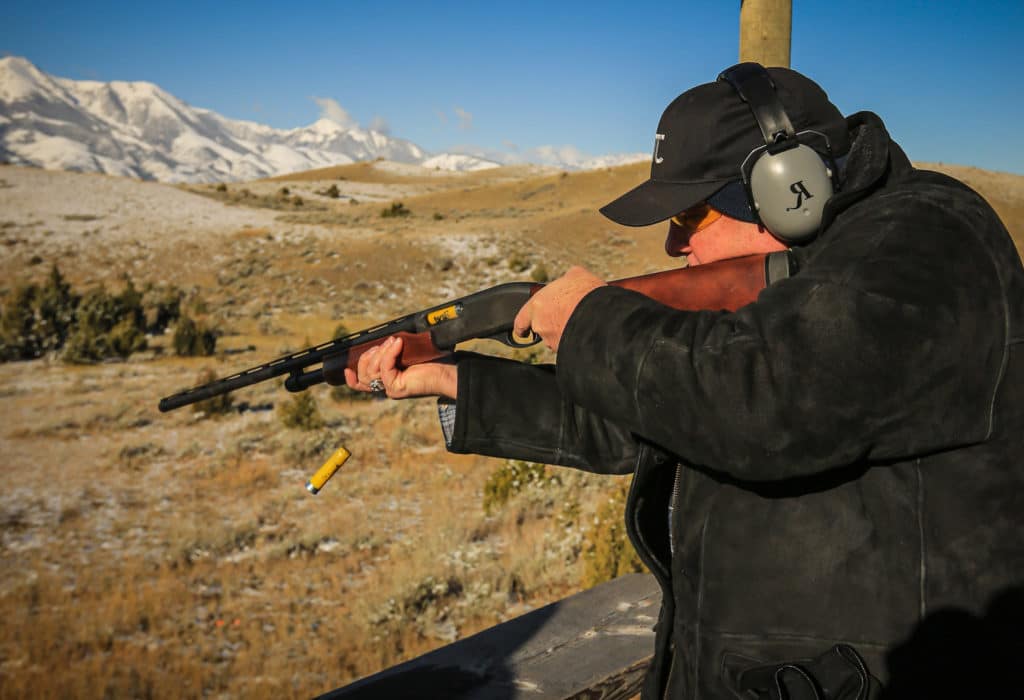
<point x="433" y="333"/>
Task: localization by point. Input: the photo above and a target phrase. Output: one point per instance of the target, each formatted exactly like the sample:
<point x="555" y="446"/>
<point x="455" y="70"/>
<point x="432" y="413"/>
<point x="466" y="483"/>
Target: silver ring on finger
<point x="376" y="385"/>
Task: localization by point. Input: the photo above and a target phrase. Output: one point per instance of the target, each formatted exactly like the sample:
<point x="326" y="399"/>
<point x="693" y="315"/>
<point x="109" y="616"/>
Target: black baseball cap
<point x="705" y="134"/>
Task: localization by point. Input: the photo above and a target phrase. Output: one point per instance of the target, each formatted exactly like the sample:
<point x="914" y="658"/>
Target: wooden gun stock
<point x="726" y="284"/>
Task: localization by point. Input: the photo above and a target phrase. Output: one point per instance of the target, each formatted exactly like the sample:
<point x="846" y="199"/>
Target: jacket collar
<point x="872" y="160"/>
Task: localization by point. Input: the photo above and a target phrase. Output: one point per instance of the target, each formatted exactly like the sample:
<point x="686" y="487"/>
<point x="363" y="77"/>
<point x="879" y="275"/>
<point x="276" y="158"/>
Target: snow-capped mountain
<point x="459" y="161"/>
<point x="137" y="129"/>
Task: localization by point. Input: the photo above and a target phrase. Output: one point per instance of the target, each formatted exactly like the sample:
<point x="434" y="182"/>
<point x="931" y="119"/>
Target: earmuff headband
<point x="787" y="183"/>
<point x="755" y="87"/>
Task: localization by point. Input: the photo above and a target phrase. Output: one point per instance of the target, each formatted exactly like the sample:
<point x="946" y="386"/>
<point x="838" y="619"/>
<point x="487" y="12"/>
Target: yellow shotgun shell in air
<point x="324" y="473"/>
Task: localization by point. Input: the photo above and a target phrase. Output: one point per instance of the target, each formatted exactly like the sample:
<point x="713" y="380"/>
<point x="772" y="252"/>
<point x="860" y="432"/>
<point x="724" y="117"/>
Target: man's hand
<point x="381" y="362"/>
<point x="549" y="310"/>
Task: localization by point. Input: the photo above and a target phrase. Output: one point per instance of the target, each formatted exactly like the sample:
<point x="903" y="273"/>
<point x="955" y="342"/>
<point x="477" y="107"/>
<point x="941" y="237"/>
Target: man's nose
<point x="677" y="239"/>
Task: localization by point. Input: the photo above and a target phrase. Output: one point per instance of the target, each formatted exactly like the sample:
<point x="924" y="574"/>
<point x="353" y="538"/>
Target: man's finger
<point x="391" y="350"/>
<point x="364" y="367"/>
<point x="352" y="379"/>
<point x="522" y="323"/>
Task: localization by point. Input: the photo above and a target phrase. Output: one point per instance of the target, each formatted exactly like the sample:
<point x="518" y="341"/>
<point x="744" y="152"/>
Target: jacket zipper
<point x="673" y="503"/>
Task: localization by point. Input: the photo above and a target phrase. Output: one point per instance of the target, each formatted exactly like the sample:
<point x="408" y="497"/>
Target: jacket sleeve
<point x="517" y="411"/>
<point x="885" y="346"/>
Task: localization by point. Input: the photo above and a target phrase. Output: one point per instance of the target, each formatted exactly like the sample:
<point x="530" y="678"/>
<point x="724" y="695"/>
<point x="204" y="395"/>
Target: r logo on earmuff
<point x="786" y="165"/>
<point x="800" y="191"/>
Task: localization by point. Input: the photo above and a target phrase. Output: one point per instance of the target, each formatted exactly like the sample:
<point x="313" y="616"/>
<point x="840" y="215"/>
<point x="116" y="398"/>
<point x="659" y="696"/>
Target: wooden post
<point x="765" y="28"/>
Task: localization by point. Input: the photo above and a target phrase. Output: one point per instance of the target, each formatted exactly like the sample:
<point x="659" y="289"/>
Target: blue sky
<point x="945" y="76"/>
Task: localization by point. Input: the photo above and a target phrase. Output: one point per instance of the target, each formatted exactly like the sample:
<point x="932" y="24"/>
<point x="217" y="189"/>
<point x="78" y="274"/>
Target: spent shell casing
<point x="325" y="472"/>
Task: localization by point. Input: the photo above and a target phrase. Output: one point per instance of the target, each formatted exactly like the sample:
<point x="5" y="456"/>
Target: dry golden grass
<point x="172" y="555"/>
<point x="392" y="173"/>
<point x="182" y="557"/>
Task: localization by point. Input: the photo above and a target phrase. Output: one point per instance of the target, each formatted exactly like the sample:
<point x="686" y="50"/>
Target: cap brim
<point x="657" y="200"/>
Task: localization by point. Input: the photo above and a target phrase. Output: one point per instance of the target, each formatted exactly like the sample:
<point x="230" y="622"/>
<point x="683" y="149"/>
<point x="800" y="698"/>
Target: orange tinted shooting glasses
<point x="697" y="217"/>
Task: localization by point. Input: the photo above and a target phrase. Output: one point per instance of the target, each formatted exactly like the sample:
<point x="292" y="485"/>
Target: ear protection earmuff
<point x="787" y="181"/>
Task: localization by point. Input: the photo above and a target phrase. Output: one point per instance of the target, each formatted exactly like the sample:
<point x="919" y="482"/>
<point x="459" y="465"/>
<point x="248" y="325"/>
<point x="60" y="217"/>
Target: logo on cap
<point x="658" y="138"/>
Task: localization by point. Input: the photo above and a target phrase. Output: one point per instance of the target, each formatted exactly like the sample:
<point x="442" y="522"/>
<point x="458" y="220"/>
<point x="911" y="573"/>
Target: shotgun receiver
<point x="433" y="333"/>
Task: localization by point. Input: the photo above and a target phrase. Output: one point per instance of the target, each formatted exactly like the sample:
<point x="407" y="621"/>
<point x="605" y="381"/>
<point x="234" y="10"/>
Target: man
<point x="829" y="482"/>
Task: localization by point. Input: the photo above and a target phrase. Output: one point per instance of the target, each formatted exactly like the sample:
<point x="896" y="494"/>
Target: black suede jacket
<point x="843" y="459"/>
